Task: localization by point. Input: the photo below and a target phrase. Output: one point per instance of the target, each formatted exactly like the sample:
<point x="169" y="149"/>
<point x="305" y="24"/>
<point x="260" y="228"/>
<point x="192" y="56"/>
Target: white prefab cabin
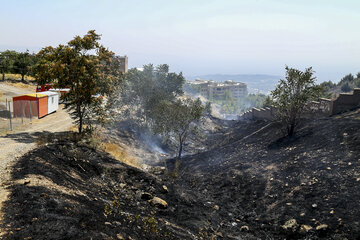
<point x="53" y="101"/>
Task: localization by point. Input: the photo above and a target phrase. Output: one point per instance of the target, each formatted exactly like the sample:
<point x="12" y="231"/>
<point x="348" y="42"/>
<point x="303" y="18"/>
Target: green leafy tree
<point x="267" y="102"/>
<point x="146" y="88"/>
<point x="23" y="63"/>
<point x="346" y="87"/>
<point x="7" y="61"/>
<point x="88" y="69"/>
<point x="175" y="119"/>
<point x="292" y="94"/>
<point x="357" y="83"/>
<point x="347" y="79"/>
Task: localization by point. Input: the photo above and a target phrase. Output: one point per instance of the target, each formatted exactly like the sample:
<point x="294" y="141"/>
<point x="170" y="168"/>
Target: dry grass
<point x="121" y="154"/>
<point x="117" y="150"/>
<point x="73" y="128"/>
<point x="11" y="76"/>
<point x="23" y="86"/>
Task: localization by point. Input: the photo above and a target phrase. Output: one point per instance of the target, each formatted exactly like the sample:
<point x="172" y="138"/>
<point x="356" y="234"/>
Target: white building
<point x="217" y="90"/>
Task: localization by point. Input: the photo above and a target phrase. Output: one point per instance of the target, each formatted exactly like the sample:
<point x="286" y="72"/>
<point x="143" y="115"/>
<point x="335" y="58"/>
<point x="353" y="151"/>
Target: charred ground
<point x="246" y="185"/>
<point x="258" y="181"/>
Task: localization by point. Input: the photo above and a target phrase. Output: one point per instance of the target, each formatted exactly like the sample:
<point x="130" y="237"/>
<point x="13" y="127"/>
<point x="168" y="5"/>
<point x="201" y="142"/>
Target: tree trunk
<point x="80" y="119"/>
<point x="180" y="148"/>
<point x="22" y="77"/>
<point x="291" y="130"/>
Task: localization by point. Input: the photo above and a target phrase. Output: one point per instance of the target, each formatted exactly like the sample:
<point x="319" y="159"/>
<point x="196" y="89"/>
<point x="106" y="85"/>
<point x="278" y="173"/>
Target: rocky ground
<point x="248" y="183"/>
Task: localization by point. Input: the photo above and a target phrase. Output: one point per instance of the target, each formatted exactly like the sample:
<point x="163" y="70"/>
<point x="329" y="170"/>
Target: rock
<point x="158" y="202"/>
<point x="321" y="227"/>
<point x="43" y="195"/>
<point x="119" y="236"/>
<point x="158" y="170"/>
<point x="117" y="223"/>
<point x="302" y="214"/>
<point x="332" y="212"/>
<point x="219" y="234"/>
<point x="164" y="189"/>
<point x="216" y="207"/>
<point x="108" y="223"/>
<point x="122" y="185"/>
<point x="305" y="228"/>
<point x="244" y="228"/>
<point x="146" y="196"/>
<point x="314" y="205"/>
<point x="290" y="225"/>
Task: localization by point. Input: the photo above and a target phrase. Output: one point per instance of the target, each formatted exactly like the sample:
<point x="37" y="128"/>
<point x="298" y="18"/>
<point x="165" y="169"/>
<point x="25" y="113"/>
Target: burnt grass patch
<point x="257" y="180"/>
<point x="247" y="185"/>
<point x="65" y="190"/>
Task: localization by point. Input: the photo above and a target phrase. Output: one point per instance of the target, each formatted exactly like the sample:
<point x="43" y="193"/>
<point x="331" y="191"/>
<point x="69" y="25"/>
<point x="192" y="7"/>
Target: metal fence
<point x="15" y="115"/>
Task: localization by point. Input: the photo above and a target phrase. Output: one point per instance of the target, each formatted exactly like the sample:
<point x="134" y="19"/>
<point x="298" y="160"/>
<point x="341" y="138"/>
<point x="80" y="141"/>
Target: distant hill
<point x="255" y="82"/>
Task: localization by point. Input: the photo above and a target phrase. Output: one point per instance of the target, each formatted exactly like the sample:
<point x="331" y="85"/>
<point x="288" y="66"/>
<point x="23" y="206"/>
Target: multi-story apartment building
<point x="217" y="90"/>
<point x="123" y="63"/>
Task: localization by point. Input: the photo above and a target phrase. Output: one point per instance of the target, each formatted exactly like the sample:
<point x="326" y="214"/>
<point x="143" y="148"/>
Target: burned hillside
<point x="248" y="183"/>
<point x="70" y="191"/>
<point x="255" y="184"/>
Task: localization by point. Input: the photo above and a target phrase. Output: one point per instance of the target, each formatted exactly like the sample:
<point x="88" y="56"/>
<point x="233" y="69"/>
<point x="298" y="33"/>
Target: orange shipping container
<point x="28" y="105"/>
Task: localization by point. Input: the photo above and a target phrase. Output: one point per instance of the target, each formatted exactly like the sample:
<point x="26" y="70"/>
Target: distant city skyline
<point x="199" y="37"/>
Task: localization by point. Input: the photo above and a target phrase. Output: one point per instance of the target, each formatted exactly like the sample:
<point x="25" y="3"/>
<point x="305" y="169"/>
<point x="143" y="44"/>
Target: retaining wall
<point x="346" y="101"/>
<point x="267" y="113"/>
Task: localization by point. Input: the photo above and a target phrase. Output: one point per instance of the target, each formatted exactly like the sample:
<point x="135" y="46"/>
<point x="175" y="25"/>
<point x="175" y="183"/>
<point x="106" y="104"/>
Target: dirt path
<point x="17" y="143"/>
<point x="10" y="90"/>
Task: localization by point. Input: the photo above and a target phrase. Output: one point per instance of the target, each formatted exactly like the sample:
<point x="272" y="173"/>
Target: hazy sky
<point x="196" y="36"/>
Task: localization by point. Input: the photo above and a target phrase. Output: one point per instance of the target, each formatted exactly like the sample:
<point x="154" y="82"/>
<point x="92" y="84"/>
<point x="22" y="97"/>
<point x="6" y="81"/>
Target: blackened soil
<point x="254" y="180"/>
<point x="70" y="191"/>
<point x="247" y="185"/>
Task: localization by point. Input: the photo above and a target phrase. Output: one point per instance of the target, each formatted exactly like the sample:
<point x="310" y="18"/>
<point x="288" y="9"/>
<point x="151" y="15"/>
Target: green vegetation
<point x="230" y="105"/>
<point x="17" y="63"/>
<point x="346" y="84"/>
<point x="89" y="76"/>
<point x="153" y="99"/>
<point x="291" y="95"/>
<point x="174" y="119"/>
<point x="145" y="89"/>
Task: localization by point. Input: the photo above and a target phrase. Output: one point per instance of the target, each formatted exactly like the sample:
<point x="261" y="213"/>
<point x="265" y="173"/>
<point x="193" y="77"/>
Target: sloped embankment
<point x="69" y="191"/>
<point x="264" y="186"/>
<point x="250" y="184"/>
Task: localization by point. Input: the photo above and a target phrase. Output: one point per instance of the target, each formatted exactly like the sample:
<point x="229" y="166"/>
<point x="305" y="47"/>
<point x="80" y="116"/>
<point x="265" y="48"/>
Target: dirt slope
<point x="14" y="144"/>
<point x="250" y="184"/>
<point x="260" y="181"/>
<point x="63" y="190"/>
